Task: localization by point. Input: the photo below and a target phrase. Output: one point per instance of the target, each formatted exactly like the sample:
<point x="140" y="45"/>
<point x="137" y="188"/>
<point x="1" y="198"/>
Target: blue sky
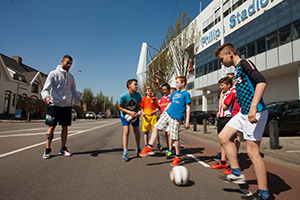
<point x="103" y="37"/>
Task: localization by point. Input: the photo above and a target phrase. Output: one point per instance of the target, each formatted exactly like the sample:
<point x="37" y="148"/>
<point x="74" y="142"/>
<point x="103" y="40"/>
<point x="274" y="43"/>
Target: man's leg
<point x="49" y="136"/>
<point x="237" y="141"/>
<point x="64" y="136"/>
<point x="146" y="137"/>
<point x="258" y="164"/>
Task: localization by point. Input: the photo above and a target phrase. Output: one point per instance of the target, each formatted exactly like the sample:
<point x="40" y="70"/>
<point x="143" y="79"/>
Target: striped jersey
<point x="229" y="100"/>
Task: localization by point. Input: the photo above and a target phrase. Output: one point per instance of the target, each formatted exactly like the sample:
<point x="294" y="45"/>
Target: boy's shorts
<point x="148" y="122"/>
<point x="174" y="125"/>
<point x="59" y="114"/>
<point x="222" y="121"/>
<point x="126" y="123"/>
<point x="252" y="132"/>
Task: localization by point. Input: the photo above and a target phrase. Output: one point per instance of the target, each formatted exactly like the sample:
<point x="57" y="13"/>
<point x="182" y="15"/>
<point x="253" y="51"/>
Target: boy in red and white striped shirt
<point x="226" y="108"/>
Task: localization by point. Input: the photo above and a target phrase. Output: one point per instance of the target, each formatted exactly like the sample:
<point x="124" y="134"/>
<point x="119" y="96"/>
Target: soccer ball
<point x="129" y="118"/>
<point x="179" y="175"/>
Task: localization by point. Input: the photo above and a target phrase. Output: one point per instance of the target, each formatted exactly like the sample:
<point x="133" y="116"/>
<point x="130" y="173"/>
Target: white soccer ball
<point x="129" y="118"/>
<point x="179" y="175"/>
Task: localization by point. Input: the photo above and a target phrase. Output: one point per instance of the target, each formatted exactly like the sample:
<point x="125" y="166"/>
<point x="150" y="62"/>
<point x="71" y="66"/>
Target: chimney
<point x="18" y="59"/>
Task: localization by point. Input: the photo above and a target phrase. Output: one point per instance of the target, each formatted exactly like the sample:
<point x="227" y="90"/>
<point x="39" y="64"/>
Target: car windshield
<point x="273" y="107"/>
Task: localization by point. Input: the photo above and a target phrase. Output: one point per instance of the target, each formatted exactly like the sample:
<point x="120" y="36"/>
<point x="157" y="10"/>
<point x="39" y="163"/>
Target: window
<point x="35" y="88"/>
<point x="242" y="52"/>
<point x="296" y="30"/>
<point x="251" y="49"/>
<point x="13" y="100"/>
<point x="227" y="12"/>
<point x="272" y="40"/>
<point x="271" y="20"/>
<point x="33" y="103"/>
<point x="261" y="45"/>
<point x="284" y="16"/>
<point x="285" y="35"/>
<point x="190" y="86"/>
<point x="295" y="9"/>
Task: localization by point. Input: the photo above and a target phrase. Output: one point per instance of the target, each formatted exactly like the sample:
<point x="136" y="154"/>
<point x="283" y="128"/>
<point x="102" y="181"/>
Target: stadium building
<point x="264" y="31"/>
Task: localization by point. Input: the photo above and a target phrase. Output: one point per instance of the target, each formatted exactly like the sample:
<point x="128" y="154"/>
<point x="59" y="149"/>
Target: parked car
<point x="102" y="115"/>
<point x="287" y="114"/>
<point x="73" y="115"/>
<point x="113" y="116"/>
<point x="200" y="115"/>
<point x="91" y="115"/>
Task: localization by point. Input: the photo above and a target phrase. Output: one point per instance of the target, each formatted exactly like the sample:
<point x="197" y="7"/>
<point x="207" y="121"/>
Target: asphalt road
<point x="96" y="170"/>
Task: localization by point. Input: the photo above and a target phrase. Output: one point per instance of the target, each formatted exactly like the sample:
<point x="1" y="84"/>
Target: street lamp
<point x="105" y="101"/>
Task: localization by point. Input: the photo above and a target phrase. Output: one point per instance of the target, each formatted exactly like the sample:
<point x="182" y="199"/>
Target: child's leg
<point x="49" y="136"/>
<point x="153" y="136"/>
<point x="258" y="163"/>
<point x="170" y="141"/>
<point x="177" y="147"/>
<point x="146" y="136"/>
<point x="157" y="139"/>
<point x="125" y="137"/>
<point x="237" y="141"/>
<point x="136" y="131"/>
<point x="228" y="145"/>
<point x="167" y="139"/>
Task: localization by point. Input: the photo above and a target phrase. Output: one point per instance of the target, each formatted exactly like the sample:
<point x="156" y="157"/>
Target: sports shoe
<point x="169" y="154"/>
<point x="146" y="151"/>
<point x="228" y="171"/>
<point x="236" y="179"/>
<point x="138" y="151"/>
<point x="64" y="152"/>
<point x="176" y="162"/>
<point x="255" y="196"/>
<point x="159" y="148"/>
<point x="217" y="157"/>
<point x="125" y="157"/>
<point x="46" y="154"/>
<point x="219" y="166"/>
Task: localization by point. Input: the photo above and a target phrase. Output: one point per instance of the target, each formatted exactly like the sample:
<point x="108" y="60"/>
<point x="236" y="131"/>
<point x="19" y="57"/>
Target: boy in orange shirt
<point x="149" y="109"/>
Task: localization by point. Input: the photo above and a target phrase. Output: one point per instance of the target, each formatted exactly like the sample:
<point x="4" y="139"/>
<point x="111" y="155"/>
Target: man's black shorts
<point x="58" y="114"/>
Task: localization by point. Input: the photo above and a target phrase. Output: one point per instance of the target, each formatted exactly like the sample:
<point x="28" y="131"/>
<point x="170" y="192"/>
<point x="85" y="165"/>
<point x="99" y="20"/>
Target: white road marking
<point x="293" y="151"/>
<point x="198" y="160"/>
<point x="38" y="144"/>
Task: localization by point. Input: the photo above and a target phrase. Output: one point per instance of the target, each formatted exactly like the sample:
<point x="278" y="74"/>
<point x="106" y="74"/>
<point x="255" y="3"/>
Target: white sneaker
<point x="64" y="152"/>
<point x="236" y="179"/>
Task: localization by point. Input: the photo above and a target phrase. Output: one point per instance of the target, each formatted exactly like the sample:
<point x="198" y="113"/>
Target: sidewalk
<point x="288" y="155"/>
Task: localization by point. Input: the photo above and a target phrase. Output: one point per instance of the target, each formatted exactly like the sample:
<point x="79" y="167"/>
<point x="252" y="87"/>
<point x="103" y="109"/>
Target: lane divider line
<point x="41" y="143"/>
<point x="198" y="160"/>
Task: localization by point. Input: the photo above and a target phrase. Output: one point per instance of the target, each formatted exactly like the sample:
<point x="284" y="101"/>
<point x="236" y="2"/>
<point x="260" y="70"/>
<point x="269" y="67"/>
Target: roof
<point x="29" y="73"/>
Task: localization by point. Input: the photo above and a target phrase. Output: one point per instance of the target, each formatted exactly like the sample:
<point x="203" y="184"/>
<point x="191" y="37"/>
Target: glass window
<point x="250" y="33"/>
<point x="251" y="49"/>
<point x="216" y="65"/>
<point x="260" y="27"/>
<point x="296" y="30"/>
<point x="227" y="12"/>
<point x="285" y="35"/>
<point x="295" y="9"/>
<point x="261" y="45"/>
<point x="242" y="52"/>
<point x="271" y="20"/>
<point x="210" y="67"/>
<point x="284" y="16"/>
<point x="272" y="40"/>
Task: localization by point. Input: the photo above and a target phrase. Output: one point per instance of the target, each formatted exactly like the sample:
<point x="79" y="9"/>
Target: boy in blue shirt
<point x="173" y="114"/>
<point x="251" y="120"/>
<point x="130" y="103"/>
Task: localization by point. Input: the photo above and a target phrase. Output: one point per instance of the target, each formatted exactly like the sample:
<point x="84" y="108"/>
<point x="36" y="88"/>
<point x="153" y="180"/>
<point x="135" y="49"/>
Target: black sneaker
<point x="46" y="154"/>
<point x="159" y="148"/>
<point x="64" y="152"/>
<point x="256" y="196"/>
<point x="217" y="157"/>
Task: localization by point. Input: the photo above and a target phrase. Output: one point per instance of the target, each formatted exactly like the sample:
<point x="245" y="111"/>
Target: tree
<point x="88" y="96"/>
<point x="182" y="49"/>
<point x="176" y="52"/>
